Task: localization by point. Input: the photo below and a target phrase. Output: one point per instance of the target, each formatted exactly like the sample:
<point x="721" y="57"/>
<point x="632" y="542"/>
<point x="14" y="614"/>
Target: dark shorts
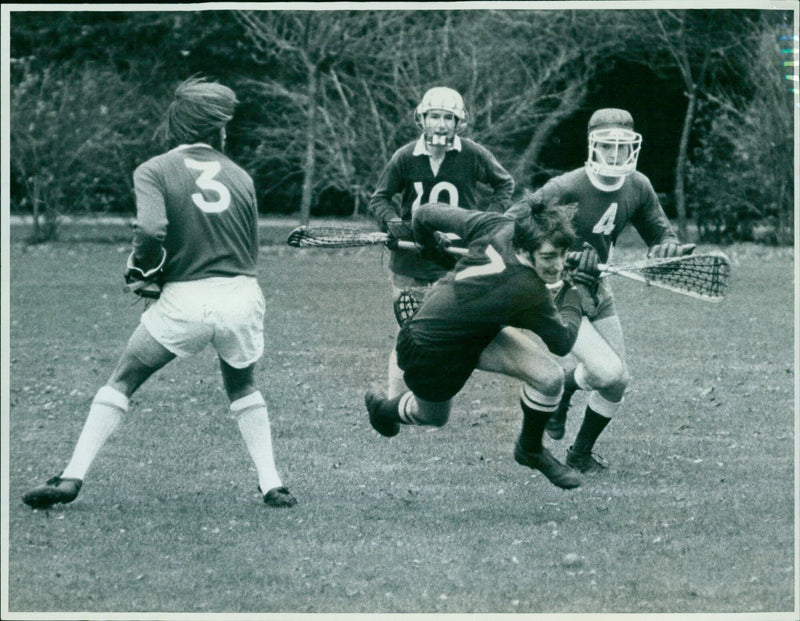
<point x="436" y="375"/>
<point x="605" y="302"/>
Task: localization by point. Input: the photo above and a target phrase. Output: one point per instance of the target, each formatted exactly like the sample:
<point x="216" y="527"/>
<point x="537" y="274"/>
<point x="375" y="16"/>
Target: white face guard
<point x="613" y="152"/>
<point x="443" y="99"/>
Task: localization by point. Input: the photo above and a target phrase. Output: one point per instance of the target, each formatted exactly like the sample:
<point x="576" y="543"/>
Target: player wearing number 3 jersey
<point x="439" y="167"/>
<point x="197" y="228"/>
<point x="469" y="321"/>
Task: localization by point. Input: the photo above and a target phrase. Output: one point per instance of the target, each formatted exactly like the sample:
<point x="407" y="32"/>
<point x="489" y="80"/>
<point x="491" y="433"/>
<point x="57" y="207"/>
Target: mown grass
<point x="695" y="515"/>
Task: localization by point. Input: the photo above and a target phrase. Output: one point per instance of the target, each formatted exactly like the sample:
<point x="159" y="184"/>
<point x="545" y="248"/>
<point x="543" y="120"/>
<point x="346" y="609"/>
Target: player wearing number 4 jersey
<point x="469" y="321"/>
<point x="609" y="193"/>
<point x="439" y="167"/>
<point x="196" y="238"/>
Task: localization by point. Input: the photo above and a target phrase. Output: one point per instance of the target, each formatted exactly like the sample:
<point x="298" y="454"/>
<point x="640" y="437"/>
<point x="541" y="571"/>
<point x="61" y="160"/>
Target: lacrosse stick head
<point x="703" y="276"/>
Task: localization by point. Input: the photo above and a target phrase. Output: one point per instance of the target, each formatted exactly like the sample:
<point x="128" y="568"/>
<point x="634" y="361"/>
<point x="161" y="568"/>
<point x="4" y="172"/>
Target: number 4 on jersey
<point x="605" y="225"/>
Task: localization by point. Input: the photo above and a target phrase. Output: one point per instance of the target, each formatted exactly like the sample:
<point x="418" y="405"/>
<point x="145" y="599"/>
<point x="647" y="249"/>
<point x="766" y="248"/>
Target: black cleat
<point x="56" y="490"/>
<point x="279" y="497"/>
<point x="590" y="463"/>
<point x="558" y="474"/>
<point x="379" y="423"/>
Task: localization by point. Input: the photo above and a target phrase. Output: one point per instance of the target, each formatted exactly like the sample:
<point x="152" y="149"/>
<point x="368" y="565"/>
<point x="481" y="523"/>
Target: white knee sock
<point x="396" y="385"/>
<point x="253" y="420"/>
<point x="105" y="414"/>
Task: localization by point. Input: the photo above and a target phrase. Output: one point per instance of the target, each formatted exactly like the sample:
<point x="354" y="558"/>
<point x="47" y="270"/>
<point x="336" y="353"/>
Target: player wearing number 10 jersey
<point x="197" y="231"/>
<point x="439" y="167"/>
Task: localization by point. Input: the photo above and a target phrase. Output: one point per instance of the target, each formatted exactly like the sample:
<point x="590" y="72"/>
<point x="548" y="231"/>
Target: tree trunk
<point x="570" y="102"/>
<point x="311" y="141"/>
<point x="680" y="166"/>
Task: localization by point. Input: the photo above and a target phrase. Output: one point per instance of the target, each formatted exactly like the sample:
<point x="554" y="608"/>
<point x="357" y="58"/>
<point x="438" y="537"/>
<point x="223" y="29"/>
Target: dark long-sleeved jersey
<point x="601" y="215"/>
<point x="489" y="289"/>
<point x="410" y="175"/>
<point x="201" y="207"/>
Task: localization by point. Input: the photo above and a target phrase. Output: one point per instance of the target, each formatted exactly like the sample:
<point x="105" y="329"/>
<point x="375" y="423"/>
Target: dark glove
<point x="398" y="230"/>
<point x="583" y="264"/>
<point x="437" y="251"/>
<point x="144" y="283"/>
<point x="670" y="248"/>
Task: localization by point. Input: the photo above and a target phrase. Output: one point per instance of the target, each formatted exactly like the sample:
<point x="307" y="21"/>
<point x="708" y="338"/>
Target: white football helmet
<point x="610" y="129"/>
<point x="441" y="98"/>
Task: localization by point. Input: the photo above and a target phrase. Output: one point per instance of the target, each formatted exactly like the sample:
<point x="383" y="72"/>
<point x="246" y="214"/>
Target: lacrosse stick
<point x="341" y="237"/>
<point x="702" y="276"/>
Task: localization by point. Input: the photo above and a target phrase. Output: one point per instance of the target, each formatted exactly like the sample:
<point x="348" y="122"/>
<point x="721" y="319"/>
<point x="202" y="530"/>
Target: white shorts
<point x="227" y="312"/>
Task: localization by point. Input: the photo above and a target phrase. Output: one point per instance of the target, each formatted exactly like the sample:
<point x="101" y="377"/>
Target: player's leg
<point x="249" y="409"/>
<point x="386" y="415"/>
<point x="396" y="385"/>
<point x="237" y="315"/>
<point x="433" y="379"/>
<point x="601" y="355"/>
<point x="514" y="354"/>
<point x="142" y="357"/>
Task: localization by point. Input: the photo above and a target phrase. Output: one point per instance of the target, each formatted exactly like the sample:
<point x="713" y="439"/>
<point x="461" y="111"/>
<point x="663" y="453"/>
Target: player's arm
<point x="556" y="325"/>
<point x="499" y="179"/>
<point x="467" y="224"/>
<point x="390" y="183"/>
<point x="146" y="262"/>
<point x="654" y="227"/>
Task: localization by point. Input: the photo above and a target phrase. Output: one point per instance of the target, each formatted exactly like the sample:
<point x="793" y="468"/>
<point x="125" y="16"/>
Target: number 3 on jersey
<point x="206" y="181"/>
<point x="605" y="225"/>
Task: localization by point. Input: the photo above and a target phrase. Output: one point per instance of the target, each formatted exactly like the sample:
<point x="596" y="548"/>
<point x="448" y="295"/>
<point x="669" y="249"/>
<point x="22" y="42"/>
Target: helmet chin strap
<point x="616" y="184"/>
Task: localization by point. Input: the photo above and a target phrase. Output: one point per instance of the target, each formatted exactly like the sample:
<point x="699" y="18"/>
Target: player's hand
<point x="584" y="265"/>
<point x="670" y="248"/>
<point x="438" y="251"/>
<point x="144" y="283"/>
<point x="398" y="230"/>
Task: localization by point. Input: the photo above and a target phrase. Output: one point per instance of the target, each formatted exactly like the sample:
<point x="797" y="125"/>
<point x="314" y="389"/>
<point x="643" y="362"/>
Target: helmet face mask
<point x="436" y="127"/>
<point x="613" y="151"/>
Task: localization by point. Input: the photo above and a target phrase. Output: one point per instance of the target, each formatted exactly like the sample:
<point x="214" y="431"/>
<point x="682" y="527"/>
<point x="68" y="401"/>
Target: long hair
<point x="540" y="222"/>
<point x="197" y="112"/>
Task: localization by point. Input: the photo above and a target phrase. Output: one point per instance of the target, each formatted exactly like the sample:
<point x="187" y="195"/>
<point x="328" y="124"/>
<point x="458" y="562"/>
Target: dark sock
<point x="592" y="426"/>
<point x="569" y="385"/>
<point x="533" y="422"/>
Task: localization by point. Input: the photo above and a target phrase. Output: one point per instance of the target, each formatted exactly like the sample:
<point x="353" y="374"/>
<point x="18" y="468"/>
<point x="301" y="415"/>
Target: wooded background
<point x="328" y="95"/>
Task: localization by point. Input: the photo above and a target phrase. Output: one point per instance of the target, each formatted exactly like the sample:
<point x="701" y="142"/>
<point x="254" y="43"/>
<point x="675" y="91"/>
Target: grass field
<point x="696" y="514"/>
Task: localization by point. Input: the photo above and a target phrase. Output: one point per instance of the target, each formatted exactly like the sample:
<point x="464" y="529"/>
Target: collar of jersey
<point x="602" y="186"/>
<point x="422" y="149"/>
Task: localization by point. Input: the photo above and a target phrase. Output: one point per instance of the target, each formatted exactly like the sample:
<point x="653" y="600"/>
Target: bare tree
<point x="308" y="49"/>
<point x="72" y="132"/>
<point x="696" y="44"/>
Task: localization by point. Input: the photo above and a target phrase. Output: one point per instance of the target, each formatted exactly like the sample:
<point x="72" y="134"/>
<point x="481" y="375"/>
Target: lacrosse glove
<point x="398" y="230"/>
<point x="670" y="248"/>
<point x="583" y="266"/>
<point x="144" y="283"/>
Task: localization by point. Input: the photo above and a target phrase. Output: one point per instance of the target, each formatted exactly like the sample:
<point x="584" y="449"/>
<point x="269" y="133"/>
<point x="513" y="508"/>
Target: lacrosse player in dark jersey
<point x="195" y="246"/>
<point x="609" y="193"/>
<point x="438" y="167"/>
<point x="468" y="321"/>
